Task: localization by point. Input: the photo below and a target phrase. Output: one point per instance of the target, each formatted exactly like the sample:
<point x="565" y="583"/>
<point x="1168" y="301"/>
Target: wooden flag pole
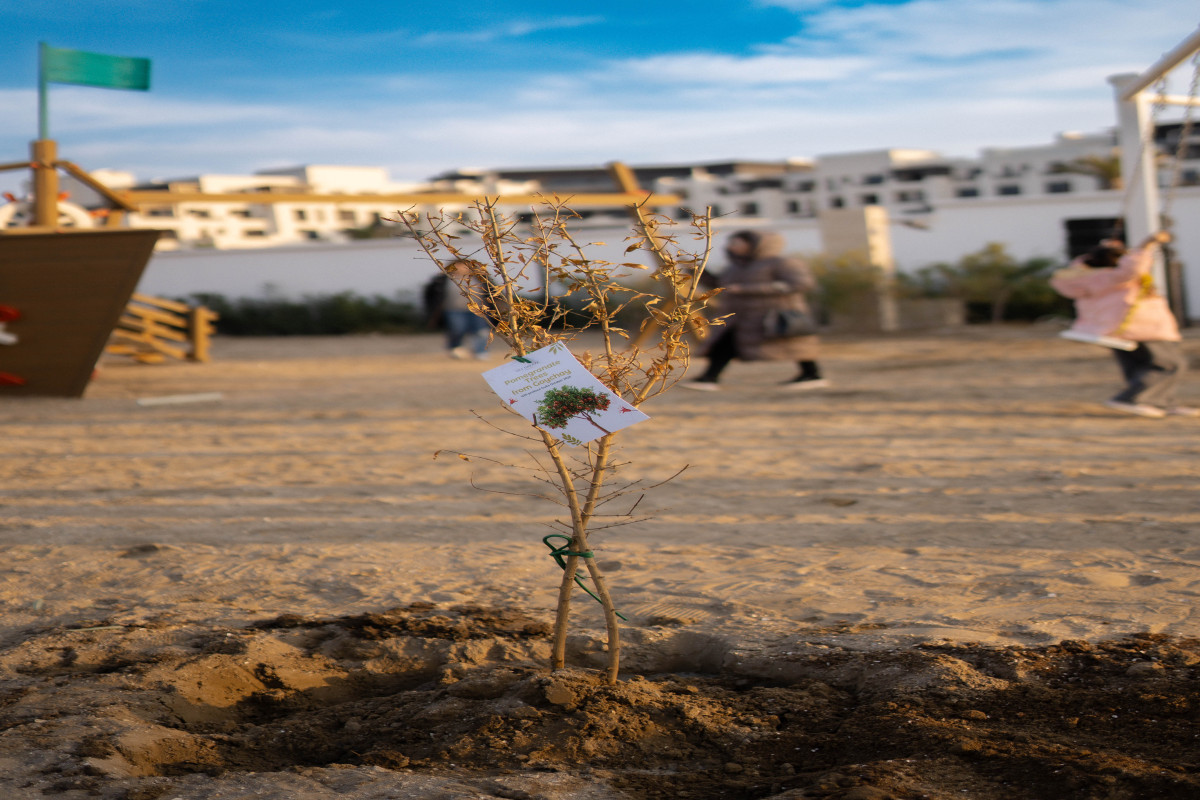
<point x="45" y="183"/>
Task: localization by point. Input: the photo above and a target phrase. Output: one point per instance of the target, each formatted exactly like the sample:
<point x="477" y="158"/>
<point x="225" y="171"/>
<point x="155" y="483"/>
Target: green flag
<point x="59" y="65"/>
<point x="94" y="69"/>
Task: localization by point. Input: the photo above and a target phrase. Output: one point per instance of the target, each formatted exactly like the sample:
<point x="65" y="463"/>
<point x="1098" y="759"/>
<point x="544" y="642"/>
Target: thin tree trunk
<point x="558" y="650"/>
<point x="558" y="653"/>
<point x="610" y="621"/>
<point x="599" y="468"/>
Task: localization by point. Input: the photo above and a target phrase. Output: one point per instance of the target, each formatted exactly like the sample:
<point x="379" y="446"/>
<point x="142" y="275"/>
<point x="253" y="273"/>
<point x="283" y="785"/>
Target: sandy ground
<point x="950" y="489"/>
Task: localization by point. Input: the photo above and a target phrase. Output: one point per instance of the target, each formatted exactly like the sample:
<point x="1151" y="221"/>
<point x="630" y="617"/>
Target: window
<point x="794" y="207"/>
<point x="1058" y="187"/>
<point x="1008" y="189"/>
<point x="1084" y="234"/>
<point x="967" y="191"/>
<point x="300" y="214"/>
<point x="806" y="186"/>
<point x="836" y="202"/>
<point x="749" y="209"/>
<point x="870" y="199"/>
<point x="872" y="180"/>
<point x="346" y="215"/>
<point x="910" y="196"/>
<point x="202" y="213"/>
<point x="160" y="211"/>
<point x="254" y="232"/>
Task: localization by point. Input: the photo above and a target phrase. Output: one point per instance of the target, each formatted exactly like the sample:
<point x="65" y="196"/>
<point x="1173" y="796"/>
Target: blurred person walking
<point x="766" y="294"/>
<point x="447" y="306"/>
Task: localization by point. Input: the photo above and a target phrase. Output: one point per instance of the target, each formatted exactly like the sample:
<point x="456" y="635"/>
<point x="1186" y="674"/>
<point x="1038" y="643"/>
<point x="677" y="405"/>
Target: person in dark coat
<point x="759" y="281"/>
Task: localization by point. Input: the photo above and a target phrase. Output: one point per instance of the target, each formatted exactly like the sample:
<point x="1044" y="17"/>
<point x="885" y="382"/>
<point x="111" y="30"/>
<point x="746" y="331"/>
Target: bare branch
<point x="510" y="277"/>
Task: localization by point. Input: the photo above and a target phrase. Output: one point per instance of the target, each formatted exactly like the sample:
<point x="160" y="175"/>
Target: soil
<point x="953" y="574"/>
<point x="461" y="694"/>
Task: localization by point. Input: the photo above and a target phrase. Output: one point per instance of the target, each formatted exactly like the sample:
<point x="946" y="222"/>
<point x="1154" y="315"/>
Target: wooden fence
<point x="152" y="329"/>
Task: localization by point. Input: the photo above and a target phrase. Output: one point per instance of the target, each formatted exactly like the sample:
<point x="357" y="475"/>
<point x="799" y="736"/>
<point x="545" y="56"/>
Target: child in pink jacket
<point x="1114" y="297"/>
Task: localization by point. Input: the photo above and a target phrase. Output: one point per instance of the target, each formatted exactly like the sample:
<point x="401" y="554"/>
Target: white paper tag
<point x="552" y="390"/>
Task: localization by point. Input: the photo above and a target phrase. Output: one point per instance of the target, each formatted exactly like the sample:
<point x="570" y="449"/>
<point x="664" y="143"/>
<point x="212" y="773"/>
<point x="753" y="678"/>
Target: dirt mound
<point x="424" y="700"/>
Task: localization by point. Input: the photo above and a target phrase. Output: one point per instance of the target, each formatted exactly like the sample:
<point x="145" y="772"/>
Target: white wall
<point x="1029" y="227"/>
<point x="367" y="268"/>
<point x="380" y="266"/>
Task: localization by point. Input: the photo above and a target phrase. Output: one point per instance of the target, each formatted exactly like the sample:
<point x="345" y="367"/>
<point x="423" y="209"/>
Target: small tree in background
<point x="847" y="281"/>
<point x="1105" y="169"/>
<point x="512" y="266"/>
<point x="990" y="277"/>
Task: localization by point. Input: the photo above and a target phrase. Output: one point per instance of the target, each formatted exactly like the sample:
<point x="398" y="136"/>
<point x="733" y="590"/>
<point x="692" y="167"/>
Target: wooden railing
<point x="152" y="329"/>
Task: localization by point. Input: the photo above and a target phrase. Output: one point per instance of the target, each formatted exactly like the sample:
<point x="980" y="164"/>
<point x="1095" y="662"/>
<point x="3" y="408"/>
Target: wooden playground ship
<point x="62" y="289"/>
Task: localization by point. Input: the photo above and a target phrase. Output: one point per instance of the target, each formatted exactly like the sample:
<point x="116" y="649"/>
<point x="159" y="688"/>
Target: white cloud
<point x="725" y="70"/>
<point x="83" y="109"/>
<point x="342" y="42"/>
<point x="507" y="30"/>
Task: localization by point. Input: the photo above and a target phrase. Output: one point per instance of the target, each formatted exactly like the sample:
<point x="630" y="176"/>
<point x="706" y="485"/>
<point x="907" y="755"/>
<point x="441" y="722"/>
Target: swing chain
<point x="1148" y="141"/>
<point x="1181" y="147"/>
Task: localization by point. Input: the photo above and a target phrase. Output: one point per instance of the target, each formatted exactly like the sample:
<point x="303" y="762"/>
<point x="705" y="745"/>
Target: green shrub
<point x="844" y="282"/>
<point x="994" y="285"/>
<point x="311" y="315"/>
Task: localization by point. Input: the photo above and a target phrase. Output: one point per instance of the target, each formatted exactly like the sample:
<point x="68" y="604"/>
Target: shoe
<point x="803" y="384"/>
<point x="1139" y="409"/>
<point x="459" y="353"/>
<point x="1182" y="411"/>
<point x="701" y="385"/>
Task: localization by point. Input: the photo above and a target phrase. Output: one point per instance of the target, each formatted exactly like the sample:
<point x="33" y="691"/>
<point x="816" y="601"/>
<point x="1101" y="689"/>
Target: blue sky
<point x="424" y="88"/>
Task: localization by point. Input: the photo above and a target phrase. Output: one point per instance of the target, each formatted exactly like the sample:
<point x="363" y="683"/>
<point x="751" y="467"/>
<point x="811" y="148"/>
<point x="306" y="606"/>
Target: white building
<point x="1028" y="199"/>
<point x="244" y="224"/>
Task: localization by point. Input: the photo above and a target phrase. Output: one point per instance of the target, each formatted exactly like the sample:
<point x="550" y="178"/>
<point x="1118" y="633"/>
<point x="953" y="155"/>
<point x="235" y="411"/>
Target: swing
<point x="1112" y="342"/>
<point x="1115" y="342"/>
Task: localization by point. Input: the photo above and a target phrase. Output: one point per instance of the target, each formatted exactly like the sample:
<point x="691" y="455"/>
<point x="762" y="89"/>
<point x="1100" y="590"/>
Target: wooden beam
<point x="401" y="201"/>
<point x="85" y="178"/>
<point x="1164" y="65"/>
<point x="161" y="302"/>
<point x="627" y="182"/>
<point x="200" y="329"/>
<point x="1173" y="100"/>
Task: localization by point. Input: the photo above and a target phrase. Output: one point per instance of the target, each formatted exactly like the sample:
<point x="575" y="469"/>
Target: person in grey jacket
<point x="760" y="280"/>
